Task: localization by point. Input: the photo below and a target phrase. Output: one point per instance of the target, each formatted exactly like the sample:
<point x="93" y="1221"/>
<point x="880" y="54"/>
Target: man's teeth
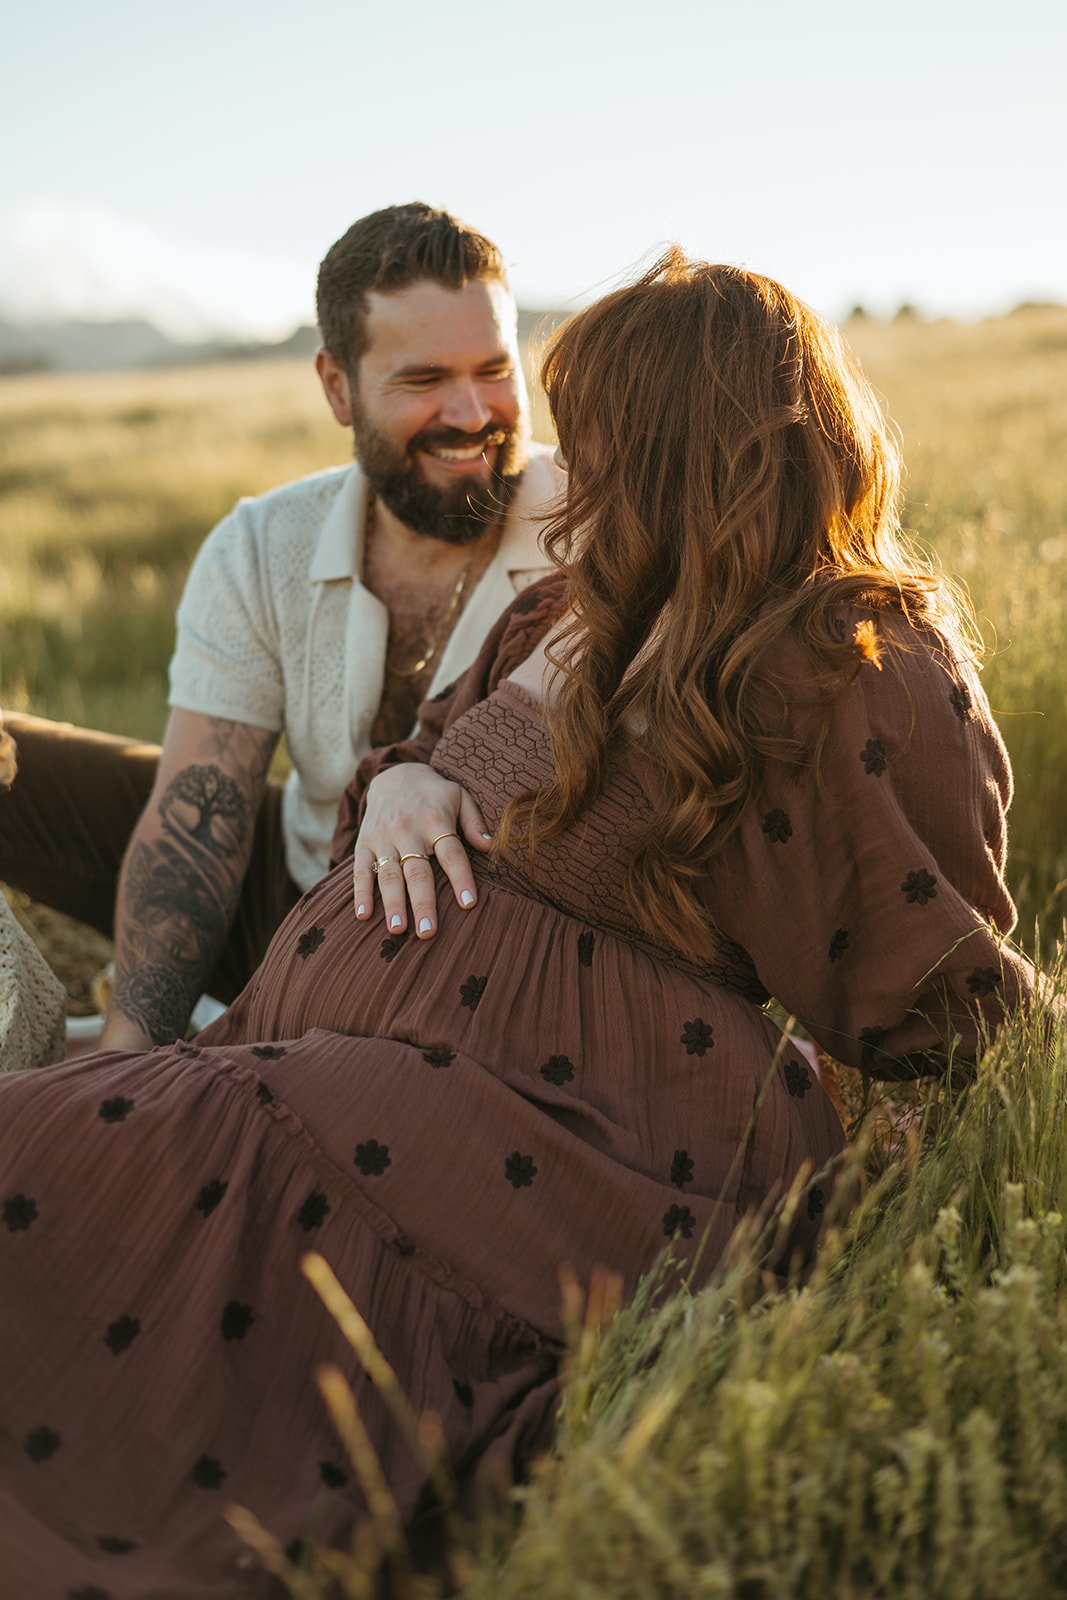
<point x="470" y="453"/>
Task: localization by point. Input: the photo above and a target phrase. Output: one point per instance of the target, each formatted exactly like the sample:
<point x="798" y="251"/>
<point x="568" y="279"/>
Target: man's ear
<point x="335" y="386"/>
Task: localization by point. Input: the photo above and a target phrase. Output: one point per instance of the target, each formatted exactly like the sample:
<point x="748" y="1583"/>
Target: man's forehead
<point x="428" y="324"/>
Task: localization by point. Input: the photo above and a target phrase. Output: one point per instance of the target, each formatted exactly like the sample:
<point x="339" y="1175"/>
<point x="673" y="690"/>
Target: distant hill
<point x="81" y="346"/>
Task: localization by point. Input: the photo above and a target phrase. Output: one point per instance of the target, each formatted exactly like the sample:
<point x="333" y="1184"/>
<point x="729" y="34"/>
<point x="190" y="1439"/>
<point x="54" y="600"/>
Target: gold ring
<point x="382" y="861"/>
<point x="413" y="855"/>
<point x="435" y="842"/>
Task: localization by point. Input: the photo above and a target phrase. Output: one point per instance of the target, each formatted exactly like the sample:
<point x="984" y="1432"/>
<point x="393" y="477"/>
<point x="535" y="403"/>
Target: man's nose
<point x="464" y="408"/>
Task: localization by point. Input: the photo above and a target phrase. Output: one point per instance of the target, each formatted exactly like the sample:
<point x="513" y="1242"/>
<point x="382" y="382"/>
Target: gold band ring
<point x="435" y="842"/>
<point x="413" y="855"/>
<point x="383" y="861"/>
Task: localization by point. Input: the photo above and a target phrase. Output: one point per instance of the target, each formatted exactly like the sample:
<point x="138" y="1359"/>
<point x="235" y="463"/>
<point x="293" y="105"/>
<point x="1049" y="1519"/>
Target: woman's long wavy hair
<point x="731" y="477"/>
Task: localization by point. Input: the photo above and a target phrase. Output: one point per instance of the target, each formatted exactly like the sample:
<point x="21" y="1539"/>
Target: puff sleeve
<point x="868" y="886"/>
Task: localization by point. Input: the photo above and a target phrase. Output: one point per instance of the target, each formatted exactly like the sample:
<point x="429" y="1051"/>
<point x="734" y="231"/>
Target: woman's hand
<point x="412" y="812"/>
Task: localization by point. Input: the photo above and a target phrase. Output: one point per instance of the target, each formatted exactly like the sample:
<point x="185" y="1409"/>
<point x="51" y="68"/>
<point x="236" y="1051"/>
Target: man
<point x="328" y="609"/>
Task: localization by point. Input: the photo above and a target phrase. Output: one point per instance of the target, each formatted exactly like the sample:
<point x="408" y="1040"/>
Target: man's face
<point x="439" y="406"/>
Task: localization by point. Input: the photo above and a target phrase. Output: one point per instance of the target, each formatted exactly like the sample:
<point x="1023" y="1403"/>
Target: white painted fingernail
<point x="361" y="910"/>
<point x="487" y="835"/>
<point x="425" y="925"/>
<point x="397" y="921"/>
<point x="466" y="898"/>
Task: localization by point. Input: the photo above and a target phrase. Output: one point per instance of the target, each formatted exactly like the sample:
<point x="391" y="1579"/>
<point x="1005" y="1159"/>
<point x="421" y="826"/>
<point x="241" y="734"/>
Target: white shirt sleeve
<point x="227" y="660"/>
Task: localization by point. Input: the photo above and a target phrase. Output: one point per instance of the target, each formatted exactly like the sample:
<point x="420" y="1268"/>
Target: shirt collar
<point x="339" y="552"/>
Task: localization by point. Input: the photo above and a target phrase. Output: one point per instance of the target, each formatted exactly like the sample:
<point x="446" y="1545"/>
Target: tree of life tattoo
<point x="180" y="893"/>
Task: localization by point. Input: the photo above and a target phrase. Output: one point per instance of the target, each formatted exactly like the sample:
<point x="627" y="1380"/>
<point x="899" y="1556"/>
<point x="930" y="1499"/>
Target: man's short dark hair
<point x="392" y="249"/>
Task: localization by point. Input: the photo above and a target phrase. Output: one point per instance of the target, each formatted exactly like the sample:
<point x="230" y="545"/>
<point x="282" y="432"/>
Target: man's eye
<point x="498" y="374"/>
<point x="427" y="381"/>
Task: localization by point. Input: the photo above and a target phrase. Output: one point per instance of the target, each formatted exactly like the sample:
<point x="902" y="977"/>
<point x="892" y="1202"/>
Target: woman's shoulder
<point x="866" y="653"/>
<point x="523" y="625"/>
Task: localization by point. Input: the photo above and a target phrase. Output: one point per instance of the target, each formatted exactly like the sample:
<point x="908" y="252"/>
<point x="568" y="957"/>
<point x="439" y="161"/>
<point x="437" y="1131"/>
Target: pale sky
<point x="910" y="151"/>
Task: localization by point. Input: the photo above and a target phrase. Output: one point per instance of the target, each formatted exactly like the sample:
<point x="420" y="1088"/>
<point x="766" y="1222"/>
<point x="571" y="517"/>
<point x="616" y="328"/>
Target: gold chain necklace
<point x="444" y="629"/>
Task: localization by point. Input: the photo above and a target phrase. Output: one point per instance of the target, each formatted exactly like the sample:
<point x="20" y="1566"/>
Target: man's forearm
<point x="180" y="885"/>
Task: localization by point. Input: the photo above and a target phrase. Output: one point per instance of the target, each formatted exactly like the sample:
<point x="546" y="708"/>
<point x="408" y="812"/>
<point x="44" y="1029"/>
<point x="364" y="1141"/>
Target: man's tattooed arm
<point x="182" y="876"/>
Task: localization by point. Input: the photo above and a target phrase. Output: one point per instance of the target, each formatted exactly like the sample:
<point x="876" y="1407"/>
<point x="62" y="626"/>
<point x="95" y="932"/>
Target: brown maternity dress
<point x="447" y="1122"/>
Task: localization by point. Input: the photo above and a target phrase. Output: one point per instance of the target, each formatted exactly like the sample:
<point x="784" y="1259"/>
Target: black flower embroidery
<point x="42" y="1443"/>
<point x="309" y="942"/>
<point x="211" y="1195"/>
<point x="121" y="1333"/>
<point x="313" y="1212"/>
<point x="439" y="1056"/>
<point x="470" y="993"/>
<point x="816" y="1202"/>
<point x="237" y="1318"/>
<point x="264" y="1094"/>
<point x="697" y="1036"/>
<point x="392" y="945"/>
<point x="90" y="1592"/>
<point x="586" y="942"/>
<point x="268" y="1052"/>
<point x="919" y="887"/>
<point x="679" y="1219"/>
<point x="797" y="1079"/>
<point x="984" y="980"/>
<point x="184" y="1048"/>
<point x="777" y="826"/>
<point x="464" y="1393"/>
<point x="116" y="1547"/>
<point x="116" y="1110"/>
<point x="681" y="1169"/>
<point x="874" y="758"/>
<point x="20" y="1213"/>
<point x="209" y="1473"/>
<point x="557" y="1070"/>
<point x="519" y="1170"/>
<point x="403" y="1245"/>
<point x="838" y="944"/>
<point x="333" y="1476"/>
<point x="372" y="1158"/>
<point x="962" y="704"/>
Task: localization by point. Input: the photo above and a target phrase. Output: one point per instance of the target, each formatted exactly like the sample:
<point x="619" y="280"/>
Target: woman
<point x="736" y="747"/>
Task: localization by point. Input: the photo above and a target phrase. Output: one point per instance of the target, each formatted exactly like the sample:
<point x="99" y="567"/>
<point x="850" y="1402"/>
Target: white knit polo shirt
<point x="275" y="629"/>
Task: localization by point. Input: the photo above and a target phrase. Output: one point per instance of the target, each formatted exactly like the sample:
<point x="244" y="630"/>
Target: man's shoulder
<point x="304" y="500"/>
<point x="267" y="541"/>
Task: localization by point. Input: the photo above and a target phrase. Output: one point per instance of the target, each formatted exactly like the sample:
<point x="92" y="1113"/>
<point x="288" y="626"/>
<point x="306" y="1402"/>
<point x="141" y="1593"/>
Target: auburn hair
<point x="730" y="477"/>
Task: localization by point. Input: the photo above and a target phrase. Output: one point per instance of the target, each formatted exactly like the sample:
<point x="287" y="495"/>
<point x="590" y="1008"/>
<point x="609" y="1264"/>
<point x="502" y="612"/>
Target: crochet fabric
<point x="32" y="1002"/>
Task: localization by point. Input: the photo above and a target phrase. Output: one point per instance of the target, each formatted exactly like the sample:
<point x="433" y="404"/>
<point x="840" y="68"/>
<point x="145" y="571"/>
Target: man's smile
<point x="455" y="457"/>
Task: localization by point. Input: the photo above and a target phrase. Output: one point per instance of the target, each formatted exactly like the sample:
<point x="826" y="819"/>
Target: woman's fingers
<point x="405" y="872"/>
<point x="393" y="889"/>
<point x="455" y="863"/>
<point x="471" y="825"/>
<point x="362" y="881"/>
<point x="418" y="877"/>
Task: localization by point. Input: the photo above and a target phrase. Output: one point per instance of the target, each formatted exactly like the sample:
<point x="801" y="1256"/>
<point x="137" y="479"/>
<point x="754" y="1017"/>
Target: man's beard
<point x="458" y="513"/>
